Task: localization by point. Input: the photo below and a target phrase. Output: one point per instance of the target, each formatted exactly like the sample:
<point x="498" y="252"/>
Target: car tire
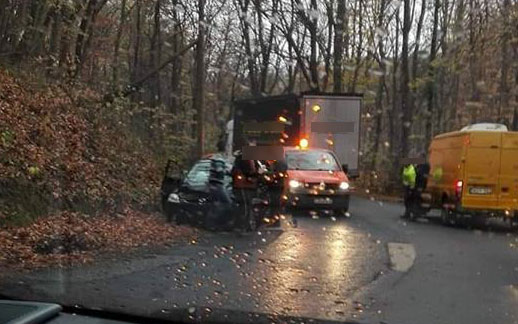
<point x="179" y="219"/>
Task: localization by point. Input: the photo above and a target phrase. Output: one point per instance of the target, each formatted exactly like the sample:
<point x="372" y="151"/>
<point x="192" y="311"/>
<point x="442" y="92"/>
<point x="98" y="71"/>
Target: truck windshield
<point x="311" y="160"/>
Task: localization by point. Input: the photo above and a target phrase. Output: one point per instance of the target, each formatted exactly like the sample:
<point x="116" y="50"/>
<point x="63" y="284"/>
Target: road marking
<point x="402" y="256"/>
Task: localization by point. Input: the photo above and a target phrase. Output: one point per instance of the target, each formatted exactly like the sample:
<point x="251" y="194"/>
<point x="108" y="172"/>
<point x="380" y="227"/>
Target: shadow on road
<point x="493" y="225"/>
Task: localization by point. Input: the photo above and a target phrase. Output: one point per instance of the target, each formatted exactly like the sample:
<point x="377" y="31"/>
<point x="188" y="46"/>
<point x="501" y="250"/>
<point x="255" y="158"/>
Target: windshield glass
<point x="370" y="151"/>
<point x="199" y="174"/>
<point x="311" y="160"/>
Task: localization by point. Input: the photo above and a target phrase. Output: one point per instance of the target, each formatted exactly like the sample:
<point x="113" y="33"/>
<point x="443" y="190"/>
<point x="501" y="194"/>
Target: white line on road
<point x="402" y="256"/>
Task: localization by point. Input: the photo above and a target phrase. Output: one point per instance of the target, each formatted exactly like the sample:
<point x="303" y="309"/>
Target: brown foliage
<point x="68" y="238"/>
<point x="50" y="139"/>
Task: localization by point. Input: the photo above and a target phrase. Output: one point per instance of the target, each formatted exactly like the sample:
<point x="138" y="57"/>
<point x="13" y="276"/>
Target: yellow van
<point x="474" y="175"/>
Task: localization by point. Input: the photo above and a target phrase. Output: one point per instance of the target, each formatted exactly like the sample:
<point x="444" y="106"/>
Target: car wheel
<point x="180" y="218"/>
<point x="171" y="217"/>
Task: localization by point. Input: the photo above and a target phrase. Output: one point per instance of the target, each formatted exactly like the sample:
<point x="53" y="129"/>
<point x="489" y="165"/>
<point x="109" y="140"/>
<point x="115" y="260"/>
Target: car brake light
<point x="458" y="188"/>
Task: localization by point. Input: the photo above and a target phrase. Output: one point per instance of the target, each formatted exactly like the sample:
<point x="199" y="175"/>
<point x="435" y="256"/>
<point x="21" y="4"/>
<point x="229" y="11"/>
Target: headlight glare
<point x="344" y="185"/>
<point x="173" y="198"/>
<point x="294" y="183"/>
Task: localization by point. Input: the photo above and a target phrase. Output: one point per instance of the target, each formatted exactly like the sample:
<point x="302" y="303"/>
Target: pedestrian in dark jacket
<point x="244" y="184"/>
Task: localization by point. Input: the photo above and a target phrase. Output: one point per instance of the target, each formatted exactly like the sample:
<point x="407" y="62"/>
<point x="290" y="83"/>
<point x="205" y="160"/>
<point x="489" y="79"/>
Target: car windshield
<point x="199" y="174"/>
<point x="311" y="160"/>
<point x="260" y="161"/>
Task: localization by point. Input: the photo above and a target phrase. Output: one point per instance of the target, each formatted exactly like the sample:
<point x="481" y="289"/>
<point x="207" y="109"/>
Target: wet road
<point x="336" y="269"/>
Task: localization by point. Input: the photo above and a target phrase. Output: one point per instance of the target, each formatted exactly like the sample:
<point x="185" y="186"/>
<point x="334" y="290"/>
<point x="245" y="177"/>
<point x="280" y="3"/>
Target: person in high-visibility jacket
<point x="409" y="181"/>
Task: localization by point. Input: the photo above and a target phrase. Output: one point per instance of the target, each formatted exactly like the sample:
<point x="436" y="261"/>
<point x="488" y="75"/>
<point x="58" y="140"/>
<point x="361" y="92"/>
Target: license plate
<point x="323" y="201"/>
<point x="480" y="190"/>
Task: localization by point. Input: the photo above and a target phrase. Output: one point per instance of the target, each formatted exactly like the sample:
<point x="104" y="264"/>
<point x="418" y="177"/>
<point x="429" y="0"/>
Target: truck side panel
<point x="482" y="168"/>
<point x="508" y="198"/>
<point x="446" y="167"/>
<point x="266" y="110"/>
<point x="335" y="126"/>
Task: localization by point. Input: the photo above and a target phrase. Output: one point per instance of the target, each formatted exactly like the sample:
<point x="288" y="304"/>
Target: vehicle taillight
<point x="458" y="188"/>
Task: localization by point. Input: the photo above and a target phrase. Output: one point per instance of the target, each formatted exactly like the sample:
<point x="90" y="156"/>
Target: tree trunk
<point x="55" y="37"/>
<point x="506" y="35"/>
<point x="116" y="47"/>
<point x="136" y="47"/>
<point x="156" y="49"/>
<point x="378" y="104"/>
<point x="85" y="31"/>
<point x="430" y="95"/>
<point x="199" y="79"/>
<point x="313" y="64"/>
<point x="404" y="86"/>
<point x="176" y="73"/>
<point x="338" y="46"/>
<point x="359" y="46"/>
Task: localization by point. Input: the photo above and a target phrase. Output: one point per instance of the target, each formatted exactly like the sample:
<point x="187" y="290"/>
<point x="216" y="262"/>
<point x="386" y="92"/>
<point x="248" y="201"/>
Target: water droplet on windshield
<point x="191" y="310"/>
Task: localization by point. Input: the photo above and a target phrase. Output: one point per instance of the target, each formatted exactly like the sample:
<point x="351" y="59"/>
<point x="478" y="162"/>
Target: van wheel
<point x="447" y="217"/>
<point x="478" y="221"/>
<point x="513" y="223"/>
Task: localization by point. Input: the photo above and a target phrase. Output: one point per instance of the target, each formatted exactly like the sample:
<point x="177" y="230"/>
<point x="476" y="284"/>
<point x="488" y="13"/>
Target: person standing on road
<point x="421" y="170"/>
<point x="219" y="213"/>
<point x="244" y="184"/>
<point x="409" y="181"/>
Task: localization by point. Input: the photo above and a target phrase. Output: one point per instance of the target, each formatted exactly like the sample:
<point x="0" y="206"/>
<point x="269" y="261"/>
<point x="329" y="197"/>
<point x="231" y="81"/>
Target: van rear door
<point x="482" y="166"/>
<point x="508" y="198"/>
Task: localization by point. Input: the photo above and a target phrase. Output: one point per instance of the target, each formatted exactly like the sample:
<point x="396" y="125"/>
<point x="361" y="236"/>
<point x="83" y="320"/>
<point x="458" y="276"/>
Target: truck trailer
<point x="314" y="120"/>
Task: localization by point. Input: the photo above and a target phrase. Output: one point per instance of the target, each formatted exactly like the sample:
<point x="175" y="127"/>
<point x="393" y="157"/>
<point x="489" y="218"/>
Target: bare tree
<point x="199" y="80"/>
<point x="338" y="50"/>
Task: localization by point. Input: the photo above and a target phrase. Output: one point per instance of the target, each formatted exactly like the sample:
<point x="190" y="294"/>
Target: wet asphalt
<point x="324" y="267"/>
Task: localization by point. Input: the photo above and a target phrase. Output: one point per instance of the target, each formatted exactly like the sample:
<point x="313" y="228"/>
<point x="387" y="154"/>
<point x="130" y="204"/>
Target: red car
<point x="313" y="178"/>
